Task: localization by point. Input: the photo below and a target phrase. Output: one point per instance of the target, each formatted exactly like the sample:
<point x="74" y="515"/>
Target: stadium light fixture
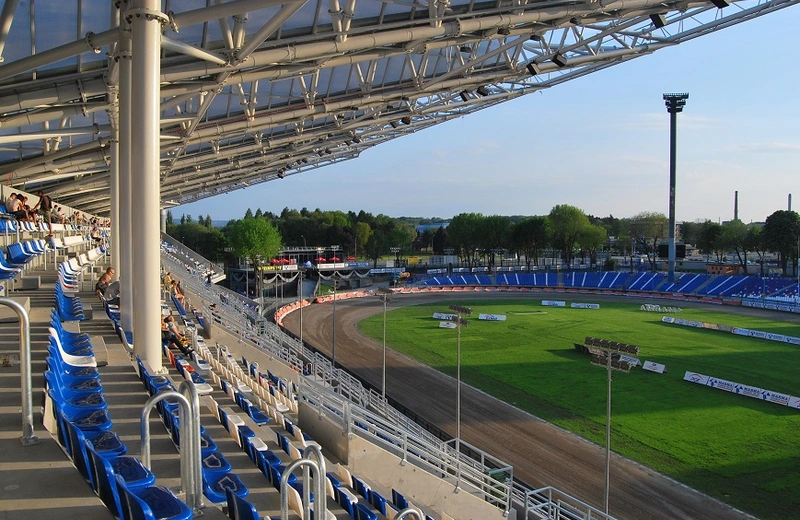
<point x="482" y="90"/>
<point x="606" y="359"/>
<point x="464" y="96"/>
<point x="460" y="322"/>
<point x="674" y="104"/>
<point x="533" y="68"/>
<point x="720" y="4"/>
<point x="559" y="60"/>
<point x="393" y="123"/>
<point x="406" y="120"/>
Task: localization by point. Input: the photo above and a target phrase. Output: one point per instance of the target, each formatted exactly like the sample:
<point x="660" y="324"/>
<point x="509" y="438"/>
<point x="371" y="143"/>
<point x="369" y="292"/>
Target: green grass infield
<point x="741" y="450"/>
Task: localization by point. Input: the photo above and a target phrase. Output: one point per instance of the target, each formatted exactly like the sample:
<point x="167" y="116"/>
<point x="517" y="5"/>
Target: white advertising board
<point x="694" y="377"/>
<point x="554" y="303"/>
<point x="585" y="305"/>
<point x="447" y="324"/>
<point x="654" y="367"/>
<point x="742" y="389"/>
<point x="492" y="317"/>
<point x="443" y="316"/>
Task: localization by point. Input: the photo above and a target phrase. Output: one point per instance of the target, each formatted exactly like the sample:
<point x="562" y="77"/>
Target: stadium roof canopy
<point x="256" y="90"/>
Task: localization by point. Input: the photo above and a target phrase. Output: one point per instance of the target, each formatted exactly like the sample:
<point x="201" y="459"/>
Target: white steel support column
<point x="122" y="243"/>
<point x="114" y="202"/>
<point x="163" y="221"/>
<point x="145" y="131"/>
<point x="113" y="82"/>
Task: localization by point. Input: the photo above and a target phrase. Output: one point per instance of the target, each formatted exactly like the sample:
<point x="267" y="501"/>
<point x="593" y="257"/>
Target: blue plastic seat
<point x="363" y="512"/>
<point x="215" y="464"/>
<point x="239" y="508"/>
<point x="265" y="459"/>
<point x="378" y="502"/>
<point x="215" y="487"/>
<point x="150" y="503"/>
<point x="207" y="445"/>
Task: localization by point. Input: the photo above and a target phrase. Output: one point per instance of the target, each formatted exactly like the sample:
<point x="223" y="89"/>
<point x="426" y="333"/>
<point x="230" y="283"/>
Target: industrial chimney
<point x="790" y="202"/>
<point x="735" y="205"/>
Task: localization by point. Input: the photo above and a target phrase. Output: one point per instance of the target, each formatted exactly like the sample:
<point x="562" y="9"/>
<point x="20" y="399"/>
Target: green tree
<point x="464" y="235"/>
<point x="440" y="240"/>
<point x="647" y="229"/>
<point x="567" y="223"/>
<point x="782" y="235"/>
<point x="170" y="220"/>
<point x="735" y="237"/>
<point x="529" y="237"/>
<point x="361" y="234"/>
<point x="377" y="246"/>
<point x="255" y="239"/>
<point x="248" y="214"/>
<point x="708" y="238"/>
<point x="591" y="239"/>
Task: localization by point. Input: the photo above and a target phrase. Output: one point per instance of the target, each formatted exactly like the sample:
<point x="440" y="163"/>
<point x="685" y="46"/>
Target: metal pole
<point x="333" y="347"/>
<point x="28" y="436"/>
<point x="458" y="406"/>
<point x="383" y="387"/>
<point x="301" y="308"/>
<point x="608" y="436"/>
<point x="673" y="152"/>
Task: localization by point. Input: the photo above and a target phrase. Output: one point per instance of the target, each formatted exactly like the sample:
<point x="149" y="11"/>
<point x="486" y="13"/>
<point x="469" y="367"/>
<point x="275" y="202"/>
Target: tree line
<point x="566" y="234"/>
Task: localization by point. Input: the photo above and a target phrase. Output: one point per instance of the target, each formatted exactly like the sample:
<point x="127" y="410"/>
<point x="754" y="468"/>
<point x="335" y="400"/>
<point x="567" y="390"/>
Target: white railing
<point x="335" y="391"/>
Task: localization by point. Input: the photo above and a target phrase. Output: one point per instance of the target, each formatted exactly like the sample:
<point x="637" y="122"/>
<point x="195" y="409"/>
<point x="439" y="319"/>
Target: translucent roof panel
<point x="255" y="90"/>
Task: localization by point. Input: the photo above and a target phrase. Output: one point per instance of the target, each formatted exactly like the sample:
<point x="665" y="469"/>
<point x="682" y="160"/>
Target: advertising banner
<point x="722" y="384"/>
<point x="654" y="367"/>
<point x="667" y="319"/>
<point x="776" y="337"/>
<point x="585" y="305"/>
<point x="775" y="397"/>
<point x="742" y="389"/>
<point x="492" y="317"/>
<point x="632" y="361"/>
<point x="443" y="316"/>
<point x="554" y="303"/>
<point x="694" y="377"/>
<point x="447" y="325"/>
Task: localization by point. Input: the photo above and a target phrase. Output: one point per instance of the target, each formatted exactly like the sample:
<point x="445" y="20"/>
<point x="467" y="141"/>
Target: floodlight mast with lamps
<point x="460" y="322"/>
<point x="675" y="104"/>
<point x="385" y="296"/>
<point x="609" y="369"/>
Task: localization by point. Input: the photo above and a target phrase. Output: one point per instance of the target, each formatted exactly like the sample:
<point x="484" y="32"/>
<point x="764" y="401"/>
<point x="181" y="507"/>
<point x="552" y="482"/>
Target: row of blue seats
<point x="339" y="492"/>
<point x="84" y="430"/>
<point x="69" y="308"/>
<point x="217" y="473"/>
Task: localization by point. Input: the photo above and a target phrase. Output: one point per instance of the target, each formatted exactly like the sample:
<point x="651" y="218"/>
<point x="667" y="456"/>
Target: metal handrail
<point x="307" y="464"/>
<point x="191" y="479"/>
<point x="406" y="512"/>
<point x="28" y="436"/>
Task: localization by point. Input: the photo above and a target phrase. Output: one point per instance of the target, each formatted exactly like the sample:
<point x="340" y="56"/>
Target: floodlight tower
<point x="675" y="104"/>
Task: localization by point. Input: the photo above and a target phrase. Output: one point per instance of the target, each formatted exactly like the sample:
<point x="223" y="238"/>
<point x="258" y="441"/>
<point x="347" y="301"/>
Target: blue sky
<point x="600" y="143"/>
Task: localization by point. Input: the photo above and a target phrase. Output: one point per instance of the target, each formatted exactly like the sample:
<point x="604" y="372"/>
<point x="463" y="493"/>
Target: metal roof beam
<point x="6" y="17"/>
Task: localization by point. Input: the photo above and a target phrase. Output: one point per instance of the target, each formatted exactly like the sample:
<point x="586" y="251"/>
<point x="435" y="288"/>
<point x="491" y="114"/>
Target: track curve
<point x="541" y="453"/>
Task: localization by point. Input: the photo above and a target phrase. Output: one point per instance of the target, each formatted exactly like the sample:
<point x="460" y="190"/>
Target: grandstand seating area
<point x="781" y="289"/>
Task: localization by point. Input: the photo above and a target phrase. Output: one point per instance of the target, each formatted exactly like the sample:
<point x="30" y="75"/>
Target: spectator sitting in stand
<point x="14" y="207"/>
<point x="172" y="339"/>
<point x="176" y="292"/>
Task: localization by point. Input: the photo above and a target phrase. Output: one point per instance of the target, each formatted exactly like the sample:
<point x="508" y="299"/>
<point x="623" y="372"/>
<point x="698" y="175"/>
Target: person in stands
<point x="14" y="207"/>
<point x="45" y="207"/>
<point x="177" y="292"/>
<point x="171" y="337"/>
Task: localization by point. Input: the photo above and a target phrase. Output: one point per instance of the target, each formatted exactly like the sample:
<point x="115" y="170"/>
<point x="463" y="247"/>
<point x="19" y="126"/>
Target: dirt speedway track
<point x="541" y="454"/>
